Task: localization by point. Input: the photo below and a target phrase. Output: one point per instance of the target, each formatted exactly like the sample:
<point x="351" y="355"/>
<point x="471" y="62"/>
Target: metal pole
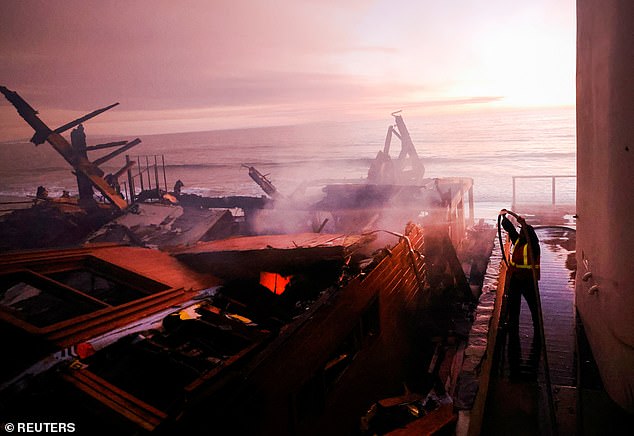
<point x="513" y="203"/>
<point x="130" y="179"/>
<point x="156" y="179"/>
<point x="147" y="170"/>
<point x="553" y="190"/>
<point x="138" y="161"/>
<point x="164" y="177"/>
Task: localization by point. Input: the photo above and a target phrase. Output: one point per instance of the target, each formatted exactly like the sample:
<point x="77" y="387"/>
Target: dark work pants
<point x="521" y="284"/>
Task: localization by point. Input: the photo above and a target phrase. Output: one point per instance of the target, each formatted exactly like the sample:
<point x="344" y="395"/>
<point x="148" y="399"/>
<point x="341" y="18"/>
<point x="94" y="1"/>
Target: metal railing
<point x="553" y="186"/>
<point x="147" y="176"/>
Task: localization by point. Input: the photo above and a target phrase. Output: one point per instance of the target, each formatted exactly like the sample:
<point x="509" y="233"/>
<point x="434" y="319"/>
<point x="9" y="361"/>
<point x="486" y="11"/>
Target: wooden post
<point x="84" y="185"/>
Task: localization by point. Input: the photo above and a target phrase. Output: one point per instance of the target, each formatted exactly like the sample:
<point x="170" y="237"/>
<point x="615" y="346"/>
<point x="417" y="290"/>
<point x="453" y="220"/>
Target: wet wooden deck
<point x="557" y="291"/>
<point x="520" y="405"/>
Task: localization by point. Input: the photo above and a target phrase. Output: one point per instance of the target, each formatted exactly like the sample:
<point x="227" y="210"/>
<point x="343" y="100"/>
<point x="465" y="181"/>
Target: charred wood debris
<point x="346" y="286"/>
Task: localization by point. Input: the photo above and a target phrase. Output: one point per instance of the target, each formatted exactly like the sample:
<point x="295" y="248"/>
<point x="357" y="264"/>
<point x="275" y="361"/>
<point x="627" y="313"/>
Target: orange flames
<point x="274" y="282"/>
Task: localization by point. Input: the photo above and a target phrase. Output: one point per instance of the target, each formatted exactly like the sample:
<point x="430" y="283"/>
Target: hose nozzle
<point x="510" y="212"/>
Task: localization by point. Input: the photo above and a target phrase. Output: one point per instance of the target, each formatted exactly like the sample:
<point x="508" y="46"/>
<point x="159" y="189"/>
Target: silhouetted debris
<point x="48" y="224"/>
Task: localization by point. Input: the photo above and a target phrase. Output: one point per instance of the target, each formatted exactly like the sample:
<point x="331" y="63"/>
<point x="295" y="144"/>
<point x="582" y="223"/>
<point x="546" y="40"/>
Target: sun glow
<point x="205" y="67"/>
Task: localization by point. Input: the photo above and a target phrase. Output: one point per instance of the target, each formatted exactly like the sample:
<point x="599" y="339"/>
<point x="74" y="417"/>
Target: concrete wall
<point x="605" y="188"/>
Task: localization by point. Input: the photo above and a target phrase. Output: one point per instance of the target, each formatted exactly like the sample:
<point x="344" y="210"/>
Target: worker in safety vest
<point x="522" y="273"/>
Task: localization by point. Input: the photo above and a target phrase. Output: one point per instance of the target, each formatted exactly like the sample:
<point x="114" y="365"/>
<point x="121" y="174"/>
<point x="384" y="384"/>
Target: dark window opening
<point x="50" y="397"/>
<point x="98" y="286"/>
<point x="47" y="293"/>
<point x="145" y="370"/>
<point x="157" y="366"/>
<point x="42" y="303"/>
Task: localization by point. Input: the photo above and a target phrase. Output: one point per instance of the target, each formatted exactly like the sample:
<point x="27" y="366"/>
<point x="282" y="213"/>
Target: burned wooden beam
<point x="26" y="111"/>
<point x="228" y="202"/>
<point x="263" y="182"/>
<point x="117" y="152"/>
<point x="106" y="145"/>
<point x="86" y="117"/>
<point x="123" y="169"/>
<point x="242" y="256"/>
<point x="137" y="411"/>
<point x="78" y="161"/>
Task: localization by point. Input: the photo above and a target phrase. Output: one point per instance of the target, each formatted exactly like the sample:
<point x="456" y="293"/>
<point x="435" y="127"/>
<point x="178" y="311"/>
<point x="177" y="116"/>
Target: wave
<point x="271" y="164"/>
<point x="199" y="166"/>
<point x="355" y="162"/>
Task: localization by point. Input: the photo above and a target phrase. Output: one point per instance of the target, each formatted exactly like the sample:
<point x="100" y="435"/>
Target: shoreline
<point x="484" y="210"/>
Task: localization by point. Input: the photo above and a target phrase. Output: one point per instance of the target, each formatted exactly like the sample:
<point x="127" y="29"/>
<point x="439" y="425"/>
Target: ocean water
<point x="490" y="147"/>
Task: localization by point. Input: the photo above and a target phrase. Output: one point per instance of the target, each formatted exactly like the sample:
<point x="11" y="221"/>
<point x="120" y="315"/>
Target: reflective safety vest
<point x="519" y="257"/>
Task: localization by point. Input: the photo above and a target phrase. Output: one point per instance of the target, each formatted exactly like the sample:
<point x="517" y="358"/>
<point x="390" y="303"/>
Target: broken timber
<point x="263" y="182"/>
<point x="78" y="161"/>
<point x="242" y="256"/>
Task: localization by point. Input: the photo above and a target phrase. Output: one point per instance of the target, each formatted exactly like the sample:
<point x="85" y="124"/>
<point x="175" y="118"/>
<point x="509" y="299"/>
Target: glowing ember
<point x="274" y="282"/>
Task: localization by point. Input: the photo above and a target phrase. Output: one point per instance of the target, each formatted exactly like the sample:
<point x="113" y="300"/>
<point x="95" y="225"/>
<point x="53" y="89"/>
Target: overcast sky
<point x="200" y="65"/>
